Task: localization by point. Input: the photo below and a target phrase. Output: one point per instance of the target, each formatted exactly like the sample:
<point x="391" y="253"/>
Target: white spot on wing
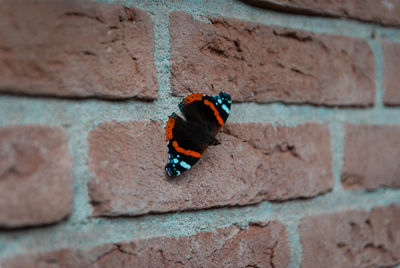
<point x="184" y="164"/>
<point x="225" y="108"/>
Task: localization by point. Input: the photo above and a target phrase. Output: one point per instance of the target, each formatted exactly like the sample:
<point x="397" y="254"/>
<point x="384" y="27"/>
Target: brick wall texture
<point x="308" y="170"/>
<point x="264" y="64"/>
<point x="263" y="244"/>
<point x="76" y="49"/>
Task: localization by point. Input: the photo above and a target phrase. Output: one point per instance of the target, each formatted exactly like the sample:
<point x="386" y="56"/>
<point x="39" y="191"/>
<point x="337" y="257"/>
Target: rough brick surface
<point x="352" y="239"/>
<point x="391" y="52"/>
<point x="76" y="49"/>
<point x="371" y="156"/>
<point x="254" y="62"/>
<point x="385" y="12"/>
<point x="35" y="176"/>
<point x="127" y="160"/>
<point x="261" y="245"/>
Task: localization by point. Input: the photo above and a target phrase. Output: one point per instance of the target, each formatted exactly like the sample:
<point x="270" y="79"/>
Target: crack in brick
<point x="121" y="250"/>
<point x="111" y="41"/>
<point x="88" y="53"/>
<point x="369" y="224"/>
<point x="100" y="206"/>
<point x="221" y="48"/>
<point x="293" y="35"/>
<point x="128" y="51"/>
<point x="260" y="224"/>
<point x="115" y="248"/>
<point x="105" y="254"/>
<point x="285" y="147"/>
<point x="130" y="15"/>
<point x="226" y="238"/>
<point x="84" y="15"/>
<point x="225" y="47"/>
<point x="296" y="70"/>
<point x="272" y="254"/>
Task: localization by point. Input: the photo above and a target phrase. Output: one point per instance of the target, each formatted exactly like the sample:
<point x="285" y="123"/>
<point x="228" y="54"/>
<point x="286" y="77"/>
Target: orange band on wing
<point x="183" y="151"/>
<point x="192" y="97"/>
<point x="169" y="127"/>
<point x="216" y="113"/>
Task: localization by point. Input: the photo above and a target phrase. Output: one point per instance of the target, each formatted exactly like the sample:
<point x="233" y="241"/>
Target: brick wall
<point x="308" y="172"/>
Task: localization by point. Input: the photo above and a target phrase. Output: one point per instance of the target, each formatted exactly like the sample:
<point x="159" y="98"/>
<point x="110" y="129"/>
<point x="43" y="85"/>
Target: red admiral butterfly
<point x="189" y="139"/>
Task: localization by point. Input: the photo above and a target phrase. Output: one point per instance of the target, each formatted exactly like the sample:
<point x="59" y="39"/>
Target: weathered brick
<point x="254" y="62"/>
<point x="371" y="156"/>
<point x="352" y="239"/>
<point x="127" y="160"/>
<point x="76" y="49"/>
<point x="261" y="245"/>
<point x="391" y="53"/>
<point x="35" y="176"/>
<point x="385" y="12"/>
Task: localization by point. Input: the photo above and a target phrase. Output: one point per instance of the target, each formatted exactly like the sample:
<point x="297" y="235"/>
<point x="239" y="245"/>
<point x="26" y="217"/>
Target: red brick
<point x="391" y="53"/>
<point x="352" y="239"/>
<point x="261" y="245"/>
<point x="127" y="162"/>
<point x="35" y="176"/>
<point x="76" y="49"/>
<point x="385" y="12"/>
<point x="371" y="157"/>
<point x="254" y="62"/>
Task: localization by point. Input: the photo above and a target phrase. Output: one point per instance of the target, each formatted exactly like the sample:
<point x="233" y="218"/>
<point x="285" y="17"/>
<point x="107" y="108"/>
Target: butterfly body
<point x="189" y="138"/>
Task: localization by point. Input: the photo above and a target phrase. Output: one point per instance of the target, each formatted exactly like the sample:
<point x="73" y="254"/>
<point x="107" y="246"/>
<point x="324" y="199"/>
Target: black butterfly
<point x="189" y="139"/>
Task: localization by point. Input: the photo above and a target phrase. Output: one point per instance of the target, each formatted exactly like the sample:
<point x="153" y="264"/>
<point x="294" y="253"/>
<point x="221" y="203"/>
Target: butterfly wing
<point x="179" y="162"/>
<point x="189" y="139"/>
<point x="223" y="103"/>
<point x="211" y="112"/>
<point x="185" y="145"/>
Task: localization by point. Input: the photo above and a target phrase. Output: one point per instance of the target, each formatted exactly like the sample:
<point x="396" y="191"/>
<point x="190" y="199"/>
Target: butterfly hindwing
<point x="178" y="162"/>
<point x="185" y="145"/>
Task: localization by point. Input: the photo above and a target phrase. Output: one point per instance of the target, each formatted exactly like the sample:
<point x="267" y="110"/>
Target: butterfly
<point x="189" y="138"/>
